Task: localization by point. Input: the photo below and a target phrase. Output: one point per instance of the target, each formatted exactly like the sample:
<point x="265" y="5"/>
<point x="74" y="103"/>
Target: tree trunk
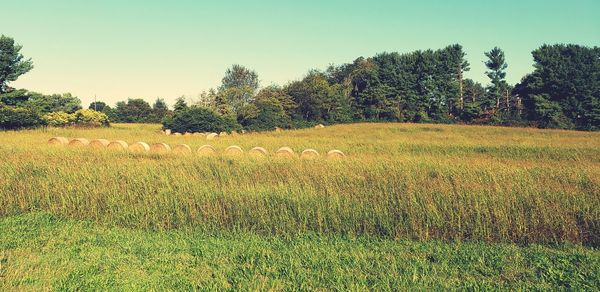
<point x="460" y="86"/>
<point x="507" y="102"/>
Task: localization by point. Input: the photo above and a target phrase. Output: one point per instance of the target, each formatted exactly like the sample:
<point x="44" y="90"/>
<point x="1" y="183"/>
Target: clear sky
<point x="119" y="49"/>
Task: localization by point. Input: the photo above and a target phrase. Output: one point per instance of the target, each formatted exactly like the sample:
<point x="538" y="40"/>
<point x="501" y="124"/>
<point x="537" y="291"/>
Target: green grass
<point x="40" y="251"/>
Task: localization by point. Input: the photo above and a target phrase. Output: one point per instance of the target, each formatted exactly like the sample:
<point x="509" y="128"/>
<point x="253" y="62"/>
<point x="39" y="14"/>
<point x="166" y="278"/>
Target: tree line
<point x="425" y="86"/>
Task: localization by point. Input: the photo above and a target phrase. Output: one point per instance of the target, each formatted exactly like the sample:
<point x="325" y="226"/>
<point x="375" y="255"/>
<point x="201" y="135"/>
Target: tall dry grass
<point x="399" y="181"/>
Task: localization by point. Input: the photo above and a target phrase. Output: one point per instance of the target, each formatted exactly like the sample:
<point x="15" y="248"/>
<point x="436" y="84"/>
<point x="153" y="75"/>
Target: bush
<point x="199" y="119"/>
<point x="83" y="117"/>
<point x="265" y="114"/>
<point x="12" y="118"/>
<point x="59" y="119"/>
<point x="91" y="118"/>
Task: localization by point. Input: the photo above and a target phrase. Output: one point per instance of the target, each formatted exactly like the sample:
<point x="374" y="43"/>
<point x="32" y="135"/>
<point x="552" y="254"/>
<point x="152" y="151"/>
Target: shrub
<point x="59" y="119"/>
<point x="199" y="119"/>
<point x="12" y="118"/>
<point x="91" y="118"/>
<point x="83" y="117"/>
<point x="265" y="114"/>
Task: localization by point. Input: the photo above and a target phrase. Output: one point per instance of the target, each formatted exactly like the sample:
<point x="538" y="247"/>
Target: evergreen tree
<point x="12" y="62"/>
<point x="496" y="65"/>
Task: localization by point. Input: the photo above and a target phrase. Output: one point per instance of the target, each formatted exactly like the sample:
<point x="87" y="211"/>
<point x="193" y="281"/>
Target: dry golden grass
<point x="414" y="181"/>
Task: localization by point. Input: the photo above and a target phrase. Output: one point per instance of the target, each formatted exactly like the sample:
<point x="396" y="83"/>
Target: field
<point x="413" y="205"/>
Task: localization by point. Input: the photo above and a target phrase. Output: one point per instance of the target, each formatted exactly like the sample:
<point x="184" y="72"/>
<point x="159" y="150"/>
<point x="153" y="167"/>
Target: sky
<point x="114" y="50"/>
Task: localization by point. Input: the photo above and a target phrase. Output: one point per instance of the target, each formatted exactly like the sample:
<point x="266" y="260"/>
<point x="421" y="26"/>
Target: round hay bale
<point x="234" y="133"/>
<point x="58" y="141"/>
<point x="187" y="134"/>
<point x="79" y="142"/>
<point x="319" y="126"/>
<point x="222" y="134"/>
<point x="211" y="136"/>
<point x="258" y="152"/>
<point x="117" y="145"/>
<point x="198" y="134"/>
<point x="168" y="132"/>
<point x="309" y="154"/>
<point x="233" y="150"/>
<point x="99" y="143"/>
<point x="285" y="152"/>
<point x="139" y="147"/>
<point x="278" y="129"/>
<point x="206" y="150"/>
<point x="177" y="134"/>
<point x="160" y="148"/>
<point x="335" y="154"/>
<point x="182" y="149"/>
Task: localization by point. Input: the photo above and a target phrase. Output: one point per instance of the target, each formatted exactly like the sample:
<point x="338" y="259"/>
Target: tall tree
<point x="97" y="106"/>
<point x="134" y="111"/>
<point x="159" y="110"/>
<point x="496" y="65"/>
<point x="239" y="86"/>
<point x="180" y="104"/>
<point x="564" y="89"/>
<point x="12" y="62"/>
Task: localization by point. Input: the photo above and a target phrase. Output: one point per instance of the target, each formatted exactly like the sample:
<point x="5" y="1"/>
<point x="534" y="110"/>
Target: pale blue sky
<point x="120" y="49"/>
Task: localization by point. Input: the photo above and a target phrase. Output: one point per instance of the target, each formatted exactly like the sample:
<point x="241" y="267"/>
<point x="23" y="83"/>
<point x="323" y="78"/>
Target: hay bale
<point x="285" y="152"/>
<point x="187" y="134"/>
<point x="177" y="134"/>
<point x="206" y="150"/>
<point x="117" y="145"/>
<point x="58" y="141"/>
<point x="168" y="132"/>
<point x="258" y="152"/>
<point x="182" y="149"/>
<point x="309" y="154"/>
<point x="335" y="154"/>
<point x="160" y="148"/>
<point x="198" y="134"/>
<point x="99" y="143"/>
<point x="211" y="136"/>
<point x="233" y="150"/>
<point x="79" y="142"/>
<point x="139" y="147"/>
<point x="222" y="134"/>
<point x="278" y="129"/>
<point x="234" y="133"/>
<point x="319" y="126"/>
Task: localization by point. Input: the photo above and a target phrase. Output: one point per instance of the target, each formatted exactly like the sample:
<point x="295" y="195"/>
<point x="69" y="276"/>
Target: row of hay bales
<point x="208" y="136"/>
<point x="205" y="150"/>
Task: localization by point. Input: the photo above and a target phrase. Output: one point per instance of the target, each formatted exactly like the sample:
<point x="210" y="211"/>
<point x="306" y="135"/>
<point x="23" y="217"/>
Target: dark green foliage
<point x="13" y="118"/>
<point x="14" y="97"/>
<point x="180" y="104"/>
<point x="564" y="89"/>
<point x="97" y="106"/>
<point x="12" y="62"/>
<point x="199" y="119"/>
<point x="264" y="113"/>
<point x="133" y="111"/>
<point x="319" y="101"/>
<point x="54" y="103"/>
<point x="471" y="111"/>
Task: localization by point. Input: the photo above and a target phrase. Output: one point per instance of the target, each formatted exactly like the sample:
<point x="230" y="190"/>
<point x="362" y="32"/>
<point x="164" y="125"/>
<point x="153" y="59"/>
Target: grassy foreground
<point x="40" y="251"/>
<point x="401" y="181"/>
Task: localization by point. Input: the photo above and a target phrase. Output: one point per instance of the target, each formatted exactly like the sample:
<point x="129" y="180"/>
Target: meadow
<point x="489" y="196"/>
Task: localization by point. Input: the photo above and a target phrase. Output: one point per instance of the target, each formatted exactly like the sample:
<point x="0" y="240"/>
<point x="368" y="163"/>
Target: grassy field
<point x="405" y="191"/>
